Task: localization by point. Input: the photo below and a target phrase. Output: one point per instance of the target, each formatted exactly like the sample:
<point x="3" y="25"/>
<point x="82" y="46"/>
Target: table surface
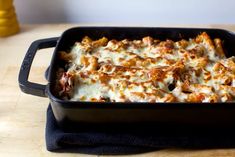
<point x="22" y="116"/>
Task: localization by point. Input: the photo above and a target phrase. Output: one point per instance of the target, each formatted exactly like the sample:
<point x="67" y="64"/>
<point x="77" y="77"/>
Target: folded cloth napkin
<point x="129" y="141"/>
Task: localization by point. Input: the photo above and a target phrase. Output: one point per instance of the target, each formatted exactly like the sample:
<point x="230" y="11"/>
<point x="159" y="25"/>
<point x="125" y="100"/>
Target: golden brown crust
<point x="218" y="47"/>
<point x="149" y="70"/>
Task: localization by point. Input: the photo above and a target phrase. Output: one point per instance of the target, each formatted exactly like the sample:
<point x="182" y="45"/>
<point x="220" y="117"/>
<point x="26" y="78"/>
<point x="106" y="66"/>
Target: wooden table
<point x="22" y="116"/>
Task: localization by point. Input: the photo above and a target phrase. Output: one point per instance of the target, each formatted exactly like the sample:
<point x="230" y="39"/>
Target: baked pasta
<point x="148" y="70"/>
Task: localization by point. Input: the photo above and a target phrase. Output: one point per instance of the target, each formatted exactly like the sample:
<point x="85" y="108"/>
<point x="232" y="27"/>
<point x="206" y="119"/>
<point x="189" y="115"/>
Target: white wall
<point x="142" y="12"/>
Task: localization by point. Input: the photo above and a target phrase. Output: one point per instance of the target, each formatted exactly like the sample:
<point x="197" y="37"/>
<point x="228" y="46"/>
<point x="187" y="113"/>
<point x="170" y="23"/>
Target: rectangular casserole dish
<point x="71" y="113"/>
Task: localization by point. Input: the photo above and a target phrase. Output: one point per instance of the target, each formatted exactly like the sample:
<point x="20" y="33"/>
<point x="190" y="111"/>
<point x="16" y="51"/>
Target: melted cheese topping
<point x="148" y="70"/>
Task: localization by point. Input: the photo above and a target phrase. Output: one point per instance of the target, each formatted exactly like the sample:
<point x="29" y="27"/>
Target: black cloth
<point x="129" y="141"/>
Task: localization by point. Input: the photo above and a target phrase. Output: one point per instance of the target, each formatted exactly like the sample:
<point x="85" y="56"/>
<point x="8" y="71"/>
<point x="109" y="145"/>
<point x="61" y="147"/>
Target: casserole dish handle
<point x="25" y="85"/>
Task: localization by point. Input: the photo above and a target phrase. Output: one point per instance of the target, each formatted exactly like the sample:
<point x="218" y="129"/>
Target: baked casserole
<point x="147" y="70"/>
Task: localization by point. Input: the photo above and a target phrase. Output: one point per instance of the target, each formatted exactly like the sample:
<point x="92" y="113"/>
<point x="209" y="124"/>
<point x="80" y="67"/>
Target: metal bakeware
<point x="71" y="113"/>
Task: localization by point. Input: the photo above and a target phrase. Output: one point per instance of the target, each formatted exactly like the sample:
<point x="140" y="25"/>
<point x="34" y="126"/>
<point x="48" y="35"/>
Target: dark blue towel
<point x="100" y="142"/>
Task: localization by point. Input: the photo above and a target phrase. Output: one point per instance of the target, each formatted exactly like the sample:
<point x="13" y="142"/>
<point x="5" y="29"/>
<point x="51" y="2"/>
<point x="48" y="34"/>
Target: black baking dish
<point x="68" y="113"/>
